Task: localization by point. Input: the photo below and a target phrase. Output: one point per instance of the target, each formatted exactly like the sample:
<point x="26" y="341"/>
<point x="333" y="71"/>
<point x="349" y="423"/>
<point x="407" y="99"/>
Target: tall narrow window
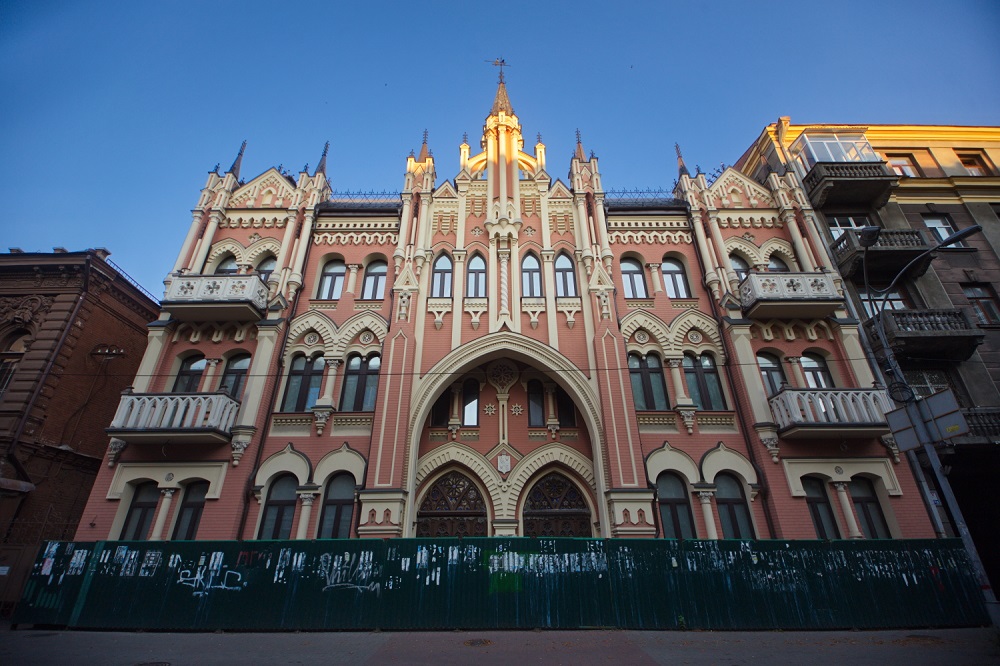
<point x="674" y="280"/>
<point x="675" y="507"/>
<point x="866" y="505"/>
<point x="816" y="372"/>
<point x="740" y="266"/>
<point x="304" y="380"/>
<point x="374" y="284"/>
<point x="531" y="277"/>
<point x="470" y="402"/>
<point x="360" y="383"/>
<point x="279" y="509"/>
<point x="771" y="372"/>
<point x="265" y="268"/>
<point x="648" y="389"/>
<point x="139" y="518"/>
<point x="702" y="378"/>
<point x="228" y="266"/>
<point x="565" y="409"/>
<point x="338" y="508"/>
<point x="983" y="300"/>
<point x="189" y="512"/>
<point x="189" y="376"/>
<point x="235" y="376"/>
<point x="536" y="404"/>
<point x="819" y="508"/>
<point x="441" y="278"/>
<point x="476" y="278"/>
<point x="331" y="282"/>
<point x="565" y="277"/>
<point x="941" y="227"/>
<point x="776" y="265"/>
<point x="733" y="511"/>
<point x="633" y="280"/>
<point x="10" y="357"/>
<point x="441" y="410"/>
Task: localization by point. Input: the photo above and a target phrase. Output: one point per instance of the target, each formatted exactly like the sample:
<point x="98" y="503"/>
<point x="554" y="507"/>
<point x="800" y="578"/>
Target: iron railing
<point x="641" y="198"/>
<point x="798" y="407"/>
<point x="983" y="422"/>
<point x="372" y="199"/>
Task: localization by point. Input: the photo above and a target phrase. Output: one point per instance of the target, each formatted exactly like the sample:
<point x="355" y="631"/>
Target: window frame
<point x="937" y="223"/>
<point x="308" y="380"/>
<point x="675" y="278"/>
<point x="283" y="507"/>
<point x="144" y="508"/>
<point x="373" y="284"/>
<point x="701" y="379"/>
<point x="359" y="388"/>
<point x="189" y="511"/>
<point x="470" y="403"/>
<point x="633" y="279"/>
<point x="645" y="380"/>
<point x="188" y="379"/>
<point x="265" y="274"/>
<point x="867" y="507"/>
<point x="475" y="286"/>
<point x="820" y="508"/>
<point x="907" y="169"/>
<point x="14" y="351"/>
<point x="984" y="304"/>
<point x="676" y="508"/>
<point x="531" y="277"/>
<point x="565" y="277"/>
<point x="342" y="508"/>
<point x="817" y="375"/>
<point x="739" y="266"/>
<point x="224" y="267"/>
<point x="842" y="223"/>
<point x="536" y="403"/>
<point x="772" y="374"/>
<point x="441" y="277"/>
<point x="238" y="375"/>
<point x="731" y="509"/>
<point x="331" y="281"/>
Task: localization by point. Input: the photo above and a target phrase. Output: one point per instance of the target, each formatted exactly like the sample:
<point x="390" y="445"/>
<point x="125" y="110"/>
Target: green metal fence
<point x="503" y="584"/>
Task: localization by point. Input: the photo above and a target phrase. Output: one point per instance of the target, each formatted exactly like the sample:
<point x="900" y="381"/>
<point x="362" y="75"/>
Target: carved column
<point x="552" y="422"/>
<point x="853" y="532"/>
<point x="302" y="532"/>
<point x="352" y="278"/>
<point x="677" y="379"/>
<point x="795" y="363"/>
<point x="705" y="497"/>
<point x="654" y="274"/>
<point x="206" y="379"/>
<point x="161" y="514"/>
<point x="804" y="255"/>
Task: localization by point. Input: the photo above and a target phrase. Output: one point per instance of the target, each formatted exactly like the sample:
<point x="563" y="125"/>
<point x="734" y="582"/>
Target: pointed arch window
<point x="536" y="404"/>
<point x="675" y="507"/>
<point x="733" y="511"/>
<point x="452" y="507"/>
<point x="331" y="282"/>
<point x="674" y="279"/>
<point x="565" y="277"/>
<point x="648" y="388"/>
<point x="304" y="380"/>
<point x="190" y="510"/>
<point x="816" y="372"/>
<point x="740" y="266"/>
<point x="441" y="278"/>
<point x="531" y="277"/>
<point x="476" y="278"/>
<point x="556" y="507"/>
<point x="869" y="510"/>
<point x="235" y="376"/>
<point x="279" y="509"/>
<point x="633" y="280"/>
<point x="265" y="268"/>
<point x="470" y="402"/>
<point x="227" y="266"/>
<point x="770" y="372"/>
<point x="776" y="265"/>
<point x="338" y="508"/>
<point x="702" y="378"/>
<point x="189" y="376"/>
<point x="819" y="508"/>
<point x="360" y="383"/>
<point x="373" y="287"/>
<point x="138" y="520"/>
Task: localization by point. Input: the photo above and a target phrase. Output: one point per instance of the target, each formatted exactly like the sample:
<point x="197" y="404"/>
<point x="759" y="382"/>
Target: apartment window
<point x="531" y="277"/>
<point x="816" y="372"/>
<point x="338" y="508"/>
<point x="632" y="279"/>
<point x="841" y="223"/>
<point x="441" y="278"/>
<point x="974" y="164"/>
<point x="279" y="509"/>
<point x="235" y="376"/>
<point x="441" y="410"/>
<point x="12" y="354"/>
<point x="476" y="278"/>
<point x="983" y="300"/>
<point x="189" y="376"/>
<point x="265" y="268"/>
<point x="536" y="404"/>
<point x="304" y="380"/>
<point x="740" y="266"/>
<point x="648" y="388"/>
<point x="145" y="497"/>
<point x="903" y="165"/>
<point x="331" y="282"/>
<point x="811" y="148"/>
<point x="867" y="507"/>
<point x="565" y="277"/>
<point x="702" y="378"/>
<point x="228" y="266"/>
<point x="565" y="409"/>
<point x="732" y="505"/>
<point x="360" y="383"/>
<point x="871" y="301"/>
<point x="776" y="265"/>
<point x="373" y="287"/>
<point x="470" y="402"/>
<point x="189" y="512"/>
<point x="925" y="381"/>
<point x="819" y="508"/>
<point x="941" y="227"/>
<point x="771" y="372"/>
<point x="674" y="279"/>
<point x="675" y="507"/>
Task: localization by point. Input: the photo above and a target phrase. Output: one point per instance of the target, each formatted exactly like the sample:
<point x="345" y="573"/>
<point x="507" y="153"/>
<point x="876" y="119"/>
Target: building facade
<point x="504" y="354"/>
<point x="72" y="333"/>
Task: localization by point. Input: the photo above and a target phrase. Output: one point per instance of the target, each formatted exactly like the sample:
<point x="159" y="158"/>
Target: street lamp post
<point x="916" y="409"/>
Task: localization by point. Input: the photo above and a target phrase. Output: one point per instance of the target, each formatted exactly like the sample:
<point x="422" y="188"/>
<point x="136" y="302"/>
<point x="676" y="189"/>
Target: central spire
<point x="501" y="102"/>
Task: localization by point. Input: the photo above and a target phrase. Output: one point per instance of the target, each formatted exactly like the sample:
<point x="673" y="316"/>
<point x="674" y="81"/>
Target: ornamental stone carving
<point x="24" y="311"/>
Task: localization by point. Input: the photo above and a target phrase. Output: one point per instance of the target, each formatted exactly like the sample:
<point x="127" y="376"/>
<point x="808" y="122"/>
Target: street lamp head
<point x="868" y="236"/>
<point x="959" y="235"/>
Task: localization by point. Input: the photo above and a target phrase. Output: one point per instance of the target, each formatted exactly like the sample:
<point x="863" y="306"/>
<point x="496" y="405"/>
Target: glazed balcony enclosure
<point x="789" y="295"/>
<point x="841" y="169"/>
<point x="831" y="412"/>
<point x="216" y="298"/>
<point x="948" y="334"/>
<point x="180" y="418"/>
<point x="893" y="250"/>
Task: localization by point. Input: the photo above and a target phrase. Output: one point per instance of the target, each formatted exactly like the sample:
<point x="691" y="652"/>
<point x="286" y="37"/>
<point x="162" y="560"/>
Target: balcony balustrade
<point x="789" y="295"/>
<point x="190" y="418"/>
<point x="833" y="413"/>
<point x="984" y="426"/>
<point x="894" y="250"/>
<point x="216" y="298"/>
<point x="948" y="334"/>
<point x="858" y="183"/>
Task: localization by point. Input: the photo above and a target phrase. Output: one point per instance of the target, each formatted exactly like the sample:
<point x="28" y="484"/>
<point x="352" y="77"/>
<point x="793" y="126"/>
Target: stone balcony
<point x="949" y="334"/>
<point x="178" y="418"/>
<point x="867" y="184"/>
<point x="830" y="413"/>
<point x="216" y="298"/>
<point x="894" y="250"/>
<point x="789" y="295"/>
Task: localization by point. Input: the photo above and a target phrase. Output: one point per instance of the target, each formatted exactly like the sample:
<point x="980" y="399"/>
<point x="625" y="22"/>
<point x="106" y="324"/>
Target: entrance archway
<point x="453" y="507"/>
<point x="555" y="507"/>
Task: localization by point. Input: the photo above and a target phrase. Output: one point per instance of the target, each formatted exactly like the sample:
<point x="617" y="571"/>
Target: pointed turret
<point x="424" y="152"/>
<point x="579" y="154"/>
<point x="238" y="162"/>
<point x="682" y="169"/>
<point x="321" y="168"/>
<point x="501" y="102"/>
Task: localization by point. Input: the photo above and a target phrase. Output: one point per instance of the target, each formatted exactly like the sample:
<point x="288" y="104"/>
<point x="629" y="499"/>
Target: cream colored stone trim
<point x="126" y="473"/>
<point x="670" y="459"/>
<point x="344" y="459"/>
<point x="796" y="468"/>
<point x="449" y="456"/>
<point x="286" y="460"/>
<point x="552" y="454"/>
<point x="723" y="459"/>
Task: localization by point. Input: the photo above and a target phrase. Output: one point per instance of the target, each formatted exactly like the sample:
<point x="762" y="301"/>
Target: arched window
<point x="536" y="404"/>
<point x="703" y="382"/>
<point x="12" y="354"/>
<point x="740" y="266"/>
<point x="816" y="372"/>
<point x="565" y="408"/>
<point x="675" y="507"/>
<point x="145" y="497"/>
<point x="441" y="278"/>
<point x="531" y="277"/>
<point x="819" y="508"/>
<point x="374" y="284"/>
<point x="360" y="383"/>
<point x="235" y="376"/>
<point x="633" y="281"/>
<point x="189" y="376"/>
<point x="265" y="268"/>
<point x="556" y="507"/>
<point x="648" y="389"/>
<point x="674" y="280"/>
<point x="476" y="278"/>
<point x="470" y="402"/>
<point x="441" y="410"/>
<point x="452" y="507"/>
<point x="331" y="282"/>
<point x="338" y="508"/>
<point x="733" y="511"/>
<point x="867" y="507"/>
<point x="227" y="266"/>
<point x="189" y="512"/>
<point x="776" y="265"/>
<point x="304" y="380"/>
<point x="279" y="509"/>
<point x="565" y="277"/>
<point x="770" y="372"/>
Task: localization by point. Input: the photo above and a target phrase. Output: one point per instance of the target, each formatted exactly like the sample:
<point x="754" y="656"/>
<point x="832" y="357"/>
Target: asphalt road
<point x="961" y="647"/>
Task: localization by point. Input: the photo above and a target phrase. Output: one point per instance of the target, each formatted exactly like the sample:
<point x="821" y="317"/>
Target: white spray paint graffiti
<point x="214" y="575"/>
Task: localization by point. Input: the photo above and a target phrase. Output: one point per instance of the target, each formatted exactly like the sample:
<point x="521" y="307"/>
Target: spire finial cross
<point x="578" y="135"/>
<point x="501" y="63"/>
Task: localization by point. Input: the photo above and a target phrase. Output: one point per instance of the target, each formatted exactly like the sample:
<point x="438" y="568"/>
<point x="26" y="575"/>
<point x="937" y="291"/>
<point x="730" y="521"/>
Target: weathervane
<point x="501" y="63"/>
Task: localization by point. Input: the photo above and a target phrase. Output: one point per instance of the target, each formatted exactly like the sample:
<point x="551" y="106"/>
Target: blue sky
<point x="113" y="112"/>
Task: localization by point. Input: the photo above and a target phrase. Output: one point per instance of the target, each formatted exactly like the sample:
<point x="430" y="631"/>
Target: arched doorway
<point x="453" y="507"/>
<point x="555" y="507"/>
